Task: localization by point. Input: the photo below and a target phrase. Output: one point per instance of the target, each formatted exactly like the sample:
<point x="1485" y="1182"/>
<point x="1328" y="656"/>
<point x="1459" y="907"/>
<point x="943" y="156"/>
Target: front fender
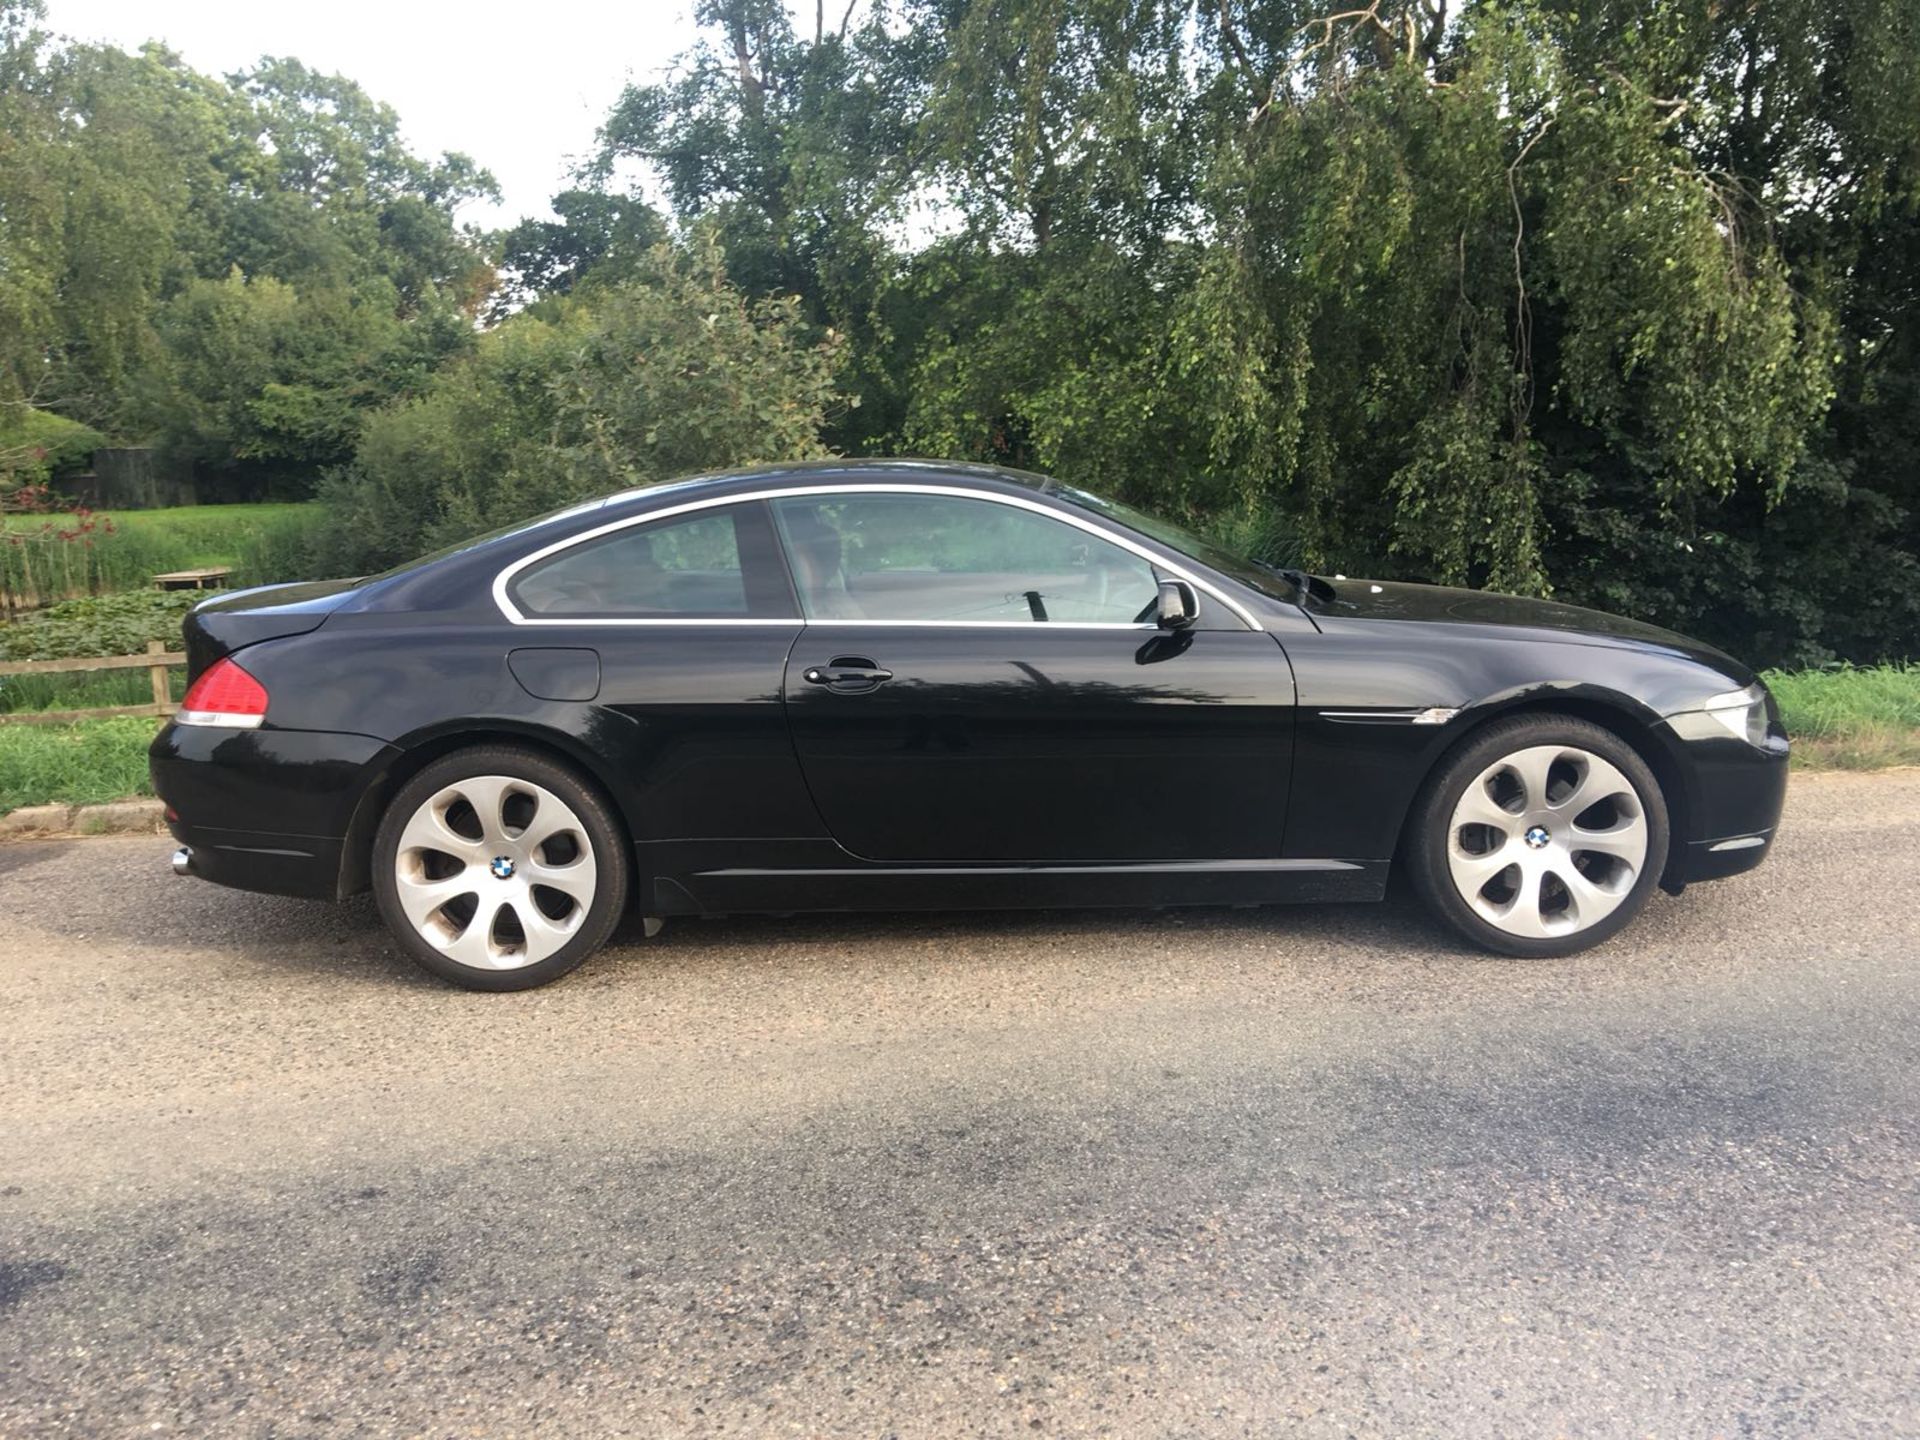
<point x="1363" y="750"/>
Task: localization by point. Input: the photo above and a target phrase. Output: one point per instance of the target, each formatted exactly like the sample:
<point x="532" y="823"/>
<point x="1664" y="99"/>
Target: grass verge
<point x="88" y="690"/>
<point x="88" y="763"/>
<point x="1851" y="719"/>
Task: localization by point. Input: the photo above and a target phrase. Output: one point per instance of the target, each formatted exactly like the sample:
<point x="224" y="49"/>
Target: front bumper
<point x="1717" y="859"/>
<point x="1735" y="791"/>
<point x="264" y="809"/>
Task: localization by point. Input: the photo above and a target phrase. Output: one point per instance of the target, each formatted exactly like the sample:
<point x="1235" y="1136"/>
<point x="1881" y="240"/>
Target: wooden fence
<point x="157" y="661"/>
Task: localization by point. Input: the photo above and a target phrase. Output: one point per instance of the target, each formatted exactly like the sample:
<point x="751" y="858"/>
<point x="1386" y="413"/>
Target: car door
<point x="982" y="681"/>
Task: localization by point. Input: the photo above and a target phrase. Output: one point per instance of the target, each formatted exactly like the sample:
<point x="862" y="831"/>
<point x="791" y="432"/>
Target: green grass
<point x="1851" y="719"/>
<point x="49" y="557"/>
<point x="87" y="690"/>
<point x="87" y="763"/>
<point x="204" y="524"/>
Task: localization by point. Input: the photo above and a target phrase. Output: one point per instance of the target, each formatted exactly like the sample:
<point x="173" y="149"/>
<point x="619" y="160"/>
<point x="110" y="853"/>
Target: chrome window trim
<point x="513" y="615"/>
<point x="795" y="620"/>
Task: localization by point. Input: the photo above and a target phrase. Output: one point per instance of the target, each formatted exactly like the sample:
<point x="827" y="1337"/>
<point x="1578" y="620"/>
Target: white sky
<point x="520" y="87"/>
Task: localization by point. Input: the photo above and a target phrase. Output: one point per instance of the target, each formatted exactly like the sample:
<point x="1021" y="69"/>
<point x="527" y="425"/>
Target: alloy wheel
<point x="1547" y="841"/>
<point x="495" y="872"/>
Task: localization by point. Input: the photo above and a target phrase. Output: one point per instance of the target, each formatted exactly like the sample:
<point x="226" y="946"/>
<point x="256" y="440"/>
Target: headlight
<point x="1742" y="713"/>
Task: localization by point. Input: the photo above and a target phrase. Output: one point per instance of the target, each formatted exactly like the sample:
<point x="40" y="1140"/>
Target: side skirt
<point x="1016" y="887"/>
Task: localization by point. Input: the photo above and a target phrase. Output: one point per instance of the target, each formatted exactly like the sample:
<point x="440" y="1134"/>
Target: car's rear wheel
<point x="1542" y="836"/>
<point x="499" y="869"/>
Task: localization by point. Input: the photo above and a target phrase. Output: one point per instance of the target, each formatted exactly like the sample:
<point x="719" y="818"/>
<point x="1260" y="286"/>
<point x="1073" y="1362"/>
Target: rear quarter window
<point x="710" y="564"/>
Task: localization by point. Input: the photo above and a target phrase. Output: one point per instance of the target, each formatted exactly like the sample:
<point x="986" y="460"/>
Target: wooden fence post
<point x="162" y="692"/>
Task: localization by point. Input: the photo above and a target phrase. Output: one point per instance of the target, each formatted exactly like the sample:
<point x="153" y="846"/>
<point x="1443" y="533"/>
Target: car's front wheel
<point x="499" y="869"/>
<point x="1543" y="835"/>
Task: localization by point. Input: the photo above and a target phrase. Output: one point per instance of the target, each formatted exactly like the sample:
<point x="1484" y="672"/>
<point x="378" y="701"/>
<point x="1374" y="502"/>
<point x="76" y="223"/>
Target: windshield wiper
<point x="1300" y="580"/>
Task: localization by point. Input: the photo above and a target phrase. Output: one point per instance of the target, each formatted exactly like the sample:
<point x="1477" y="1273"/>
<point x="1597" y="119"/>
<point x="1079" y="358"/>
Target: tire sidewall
<point x="603" y="833"/>
<point x="1434" y="811"/>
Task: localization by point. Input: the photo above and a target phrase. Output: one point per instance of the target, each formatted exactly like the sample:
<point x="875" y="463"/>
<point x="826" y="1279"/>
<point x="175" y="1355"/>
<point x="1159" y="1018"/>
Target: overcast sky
<point x="520" y="87"/>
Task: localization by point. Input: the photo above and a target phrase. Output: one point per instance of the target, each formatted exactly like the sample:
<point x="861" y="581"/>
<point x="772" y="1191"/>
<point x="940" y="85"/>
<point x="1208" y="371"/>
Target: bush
<point x="292" y="545"/>
<point x="98" y="625"/>
<point x="667" y="376"/>
<point x="36" y="446"/>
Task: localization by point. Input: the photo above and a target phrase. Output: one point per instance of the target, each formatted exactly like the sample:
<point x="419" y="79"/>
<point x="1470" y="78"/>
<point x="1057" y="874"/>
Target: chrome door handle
<point x="847" y="673"/>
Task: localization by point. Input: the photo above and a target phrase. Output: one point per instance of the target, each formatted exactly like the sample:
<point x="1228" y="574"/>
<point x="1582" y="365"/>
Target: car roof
<point x="430" y="571"/>
<point x="850" y="470"/>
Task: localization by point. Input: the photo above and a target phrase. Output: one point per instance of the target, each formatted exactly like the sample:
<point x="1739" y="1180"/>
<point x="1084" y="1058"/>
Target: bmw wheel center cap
<point x="1536" y="837"/>
<point x="502" y="868"/>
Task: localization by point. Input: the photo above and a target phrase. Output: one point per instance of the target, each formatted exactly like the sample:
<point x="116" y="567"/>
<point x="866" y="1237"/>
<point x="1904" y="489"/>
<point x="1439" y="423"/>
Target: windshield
<point x="1250" y="573"/>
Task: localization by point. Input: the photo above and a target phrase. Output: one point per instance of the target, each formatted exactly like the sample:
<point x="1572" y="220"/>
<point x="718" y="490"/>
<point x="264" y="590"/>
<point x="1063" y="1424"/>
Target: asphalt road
<point x="1312" y="1171"/>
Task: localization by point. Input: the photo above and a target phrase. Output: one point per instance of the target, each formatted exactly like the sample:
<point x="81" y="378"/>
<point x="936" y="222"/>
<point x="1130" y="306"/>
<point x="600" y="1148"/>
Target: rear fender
<point x="410" y="755"/>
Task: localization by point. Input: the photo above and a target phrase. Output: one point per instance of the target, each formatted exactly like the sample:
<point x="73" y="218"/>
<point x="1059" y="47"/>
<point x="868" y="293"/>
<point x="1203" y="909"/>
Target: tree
<point x="599" y="235"/>
<point x="1615" y="298"/>
<point x="259" y="381"/>
<point x="92" y="190"/>
<point x="233" y="270"/>
<point x="1445" y="295"/>
<point x="673" y="372"/>
<point x="798" y="149"/>
<point x="30" y="202"/>
<point x="331" y="195"/>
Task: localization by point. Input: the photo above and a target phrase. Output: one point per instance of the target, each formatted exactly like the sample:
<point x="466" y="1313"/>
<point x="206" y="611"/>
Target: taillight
<point x="224" y="695"/>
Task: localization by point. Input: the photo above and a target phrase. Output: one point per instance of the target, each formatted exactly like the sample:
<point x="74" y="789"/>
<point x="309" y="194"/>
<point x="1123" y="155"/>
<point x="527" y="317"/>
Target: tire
<point x="470" y="897"/>
<point x="1540" y="836"/>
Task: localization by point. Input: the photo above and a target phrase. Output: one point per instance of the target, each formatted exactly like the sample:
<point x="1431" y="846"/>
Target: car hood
<point x="1392" y="600"/>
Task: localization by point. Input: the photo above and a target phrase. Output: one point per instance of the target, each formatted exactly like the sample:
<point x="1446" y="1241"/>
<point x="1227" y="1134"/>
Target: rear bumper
<point x="264" y="809"/>
<point x="298" y="865"/>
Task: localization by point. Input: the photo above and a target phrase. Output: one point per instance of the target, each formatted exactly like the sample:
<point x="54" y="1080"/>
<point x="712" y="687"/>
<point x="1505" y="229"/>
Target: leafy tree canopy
<point x="671" y="372"/>
<point x="169" y="239"/>
<point x="1614" y="299"/>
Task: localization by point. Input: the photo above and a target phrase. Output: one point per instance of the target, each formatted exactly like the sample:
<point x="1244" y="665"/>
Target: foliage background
<point x="1612" y="298"/>
<point x="51" y="557"/>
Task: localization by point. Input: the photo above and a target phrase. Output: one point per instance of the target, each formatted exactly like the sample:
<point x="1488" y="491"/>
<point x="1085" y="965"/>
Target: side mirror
<point x="1179" y="606"/>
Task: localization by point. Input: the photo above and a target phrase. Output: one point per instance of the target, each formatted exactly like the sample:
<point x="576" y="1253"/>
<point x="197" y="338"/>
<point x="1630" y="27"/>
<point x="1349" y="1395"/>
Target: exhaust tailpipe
<point x="183" y="860"/>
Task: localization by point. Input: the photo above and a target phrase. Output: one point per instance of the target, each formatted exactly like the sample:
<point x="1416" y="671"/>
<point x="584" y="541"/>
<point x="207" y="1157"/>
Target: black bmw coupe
<point x="902" y="685"/>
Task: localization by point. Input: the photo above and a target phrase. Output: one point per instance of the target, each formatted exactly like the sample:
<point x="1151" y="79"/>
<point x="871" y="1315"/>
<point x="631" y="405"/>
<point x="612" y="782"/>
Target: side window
<point x="940" y="557"/>
<point x="709" y="564"/>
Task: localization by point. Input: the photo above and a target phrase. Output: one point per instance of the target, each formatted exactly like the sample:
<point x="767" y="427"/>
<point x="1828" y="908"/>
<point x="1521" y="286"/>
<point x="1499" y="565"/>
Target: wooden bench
<point x="213" y="578"/>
